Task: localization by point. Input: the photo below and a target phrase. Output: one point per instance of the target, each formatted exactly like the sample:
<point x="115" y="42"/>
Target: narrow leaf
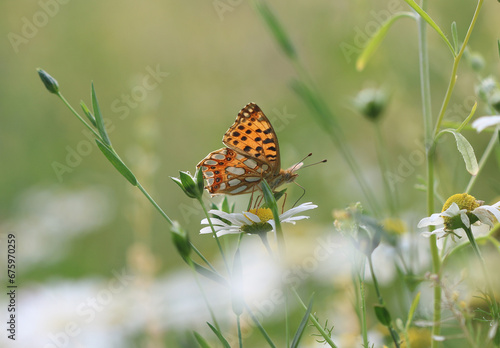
<point x="208" y="273"/>
<point x="431" y="22"/>
<point x="99" y="119"/>
<point x="377" y="38"/>
<point x="466" y="150"/>
<point x="454" y="35"/>
<point x="413" y="308"/>
<point x="219" y="336"/>
<point x="201" y="341"/>
<point x="302" y="326"/>
<point x="117" y="162"/>
<point x="87" y="113"/>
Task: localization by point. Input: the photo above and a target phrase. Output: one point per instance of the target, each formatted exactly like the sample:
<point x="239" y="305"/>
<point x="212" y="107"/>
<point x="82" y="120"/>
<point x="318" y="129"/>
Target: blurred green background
<point x="77" y="220"/>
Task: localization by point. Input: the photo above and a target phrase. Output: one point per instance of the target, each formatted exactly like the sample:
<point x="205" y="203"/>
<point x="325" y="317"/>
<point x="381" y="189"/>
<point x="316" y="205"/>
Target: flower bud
<point x="192" y="186"/>
<point x="371" y="103"/>
<point x="180" y="240"/>
<point x="49" y="82"/>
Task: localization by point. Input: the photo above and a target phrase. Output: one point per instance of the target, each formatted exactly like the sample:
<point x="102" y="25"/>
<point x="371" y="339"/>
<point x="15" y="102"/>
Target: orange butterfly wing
<point x="252" y="154"/>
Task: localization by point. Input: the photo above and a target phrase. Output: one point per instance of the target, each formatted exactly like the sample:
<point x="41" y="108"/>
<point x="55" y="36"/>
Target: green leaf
<point x="276" y="29"/>
<point x="208" y="273"/>
<point x="201" y="341"/>
<point x="377" y="38"/>
<point x="87" y="113"/>
<point x="383" y="315"/>
<point x="454" y="35"/>
<point x="99" y="119"/>
<point x="277" y="196"/>
<point x="433" y="24"/>
<point x="219" y="336"/>
<point x="302" y="326"/>
<point x="117" y="162"/>
<point x="466" y="150"/>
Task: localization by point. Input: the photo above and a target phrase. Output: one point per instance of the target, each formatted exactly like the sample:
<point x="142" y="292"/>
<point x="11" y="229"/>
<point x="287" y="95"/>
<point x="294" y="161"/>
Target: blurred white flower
<point x="486" y="121"/>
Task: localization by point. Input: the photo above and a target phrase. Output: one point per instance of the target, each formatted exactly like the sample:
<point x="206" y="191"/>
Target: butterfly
<point x="251" y="155"/>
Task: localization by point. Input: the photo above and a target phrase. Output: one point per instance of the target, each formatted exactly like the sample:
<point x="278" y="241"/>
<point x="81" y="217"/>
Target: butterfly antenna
<point x="303" y="193"/>
<point x="313" y="164"/>
<point x="300" y="162"/>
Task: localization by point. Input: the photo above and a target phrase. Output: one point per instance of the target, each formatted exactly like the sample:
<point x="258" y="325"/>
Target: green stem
<point x="456" y="61"/>
<point x="143" y="190"/>
<point x="315" y="322"/>
<point x="215" y="235"/>
<point x="240" y="340"/>
<point x="364" y="328"/>
<point x="482" y="161"/>
<point x="77" y="115"/>
<point x="393" y="332"/>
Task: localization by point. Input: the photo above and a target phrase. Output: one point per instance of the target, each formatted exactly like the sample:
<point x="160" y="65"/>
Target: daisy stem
<point x="153" y="202"/>
<point x="491" y="293"/>
<point x="482" y="161"/>
<point x="393" y="333"/>
<point x="215" y="235"/>
<point x="265" y="241"/>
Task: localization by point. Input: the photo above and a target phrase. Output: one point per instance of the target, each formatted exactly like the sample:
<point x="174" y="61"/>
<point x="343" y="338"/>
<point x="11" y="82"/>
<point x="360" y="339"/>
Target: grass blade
<point x="221" y="338"/>
<point x="302" y="326"/>
<point x="98" y="118"/>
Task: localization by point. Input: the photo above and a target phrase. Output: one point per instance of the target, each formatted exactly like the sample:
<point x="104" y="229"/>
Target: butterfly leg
<point x="283" y="205"/>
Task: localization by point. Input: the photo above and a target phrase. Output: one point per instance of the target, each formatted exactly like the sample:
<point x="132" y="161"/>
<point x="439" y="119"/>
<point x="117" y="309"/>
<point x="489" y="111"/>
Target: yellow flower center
<point x="463" y="200"/>
<point x="264" y="214"/>
<point x="394" y="226"/>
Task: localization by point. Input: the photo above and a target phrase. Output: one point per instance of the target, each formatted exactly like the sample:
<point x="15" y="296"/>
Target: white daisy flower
<point x="253" y="221"/>
<point x="485" y="122"/>
<point x="462" y="210"/>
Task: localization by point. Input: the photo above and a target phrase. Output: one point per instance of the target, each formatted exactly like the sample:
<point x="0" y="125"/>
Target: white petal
<point x="272" y="223"/>
<point x="230" y="231"/>
<point x="296" y="210"/>
<point x="485" y="121"/>
<point x="453" y="210"/>
<point x="214" y="221"/>
<point x="438" y="231"/>
<point x="465" y="219"/>
<point x="233" y="218"/>
<point x="433" y="220"/>
<point x="295" y="218"/>
<point x="208" y="229"/>
<point x="492" y="209"/>
<point x="252" y="217"/>
<point x="484" y="216"/>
